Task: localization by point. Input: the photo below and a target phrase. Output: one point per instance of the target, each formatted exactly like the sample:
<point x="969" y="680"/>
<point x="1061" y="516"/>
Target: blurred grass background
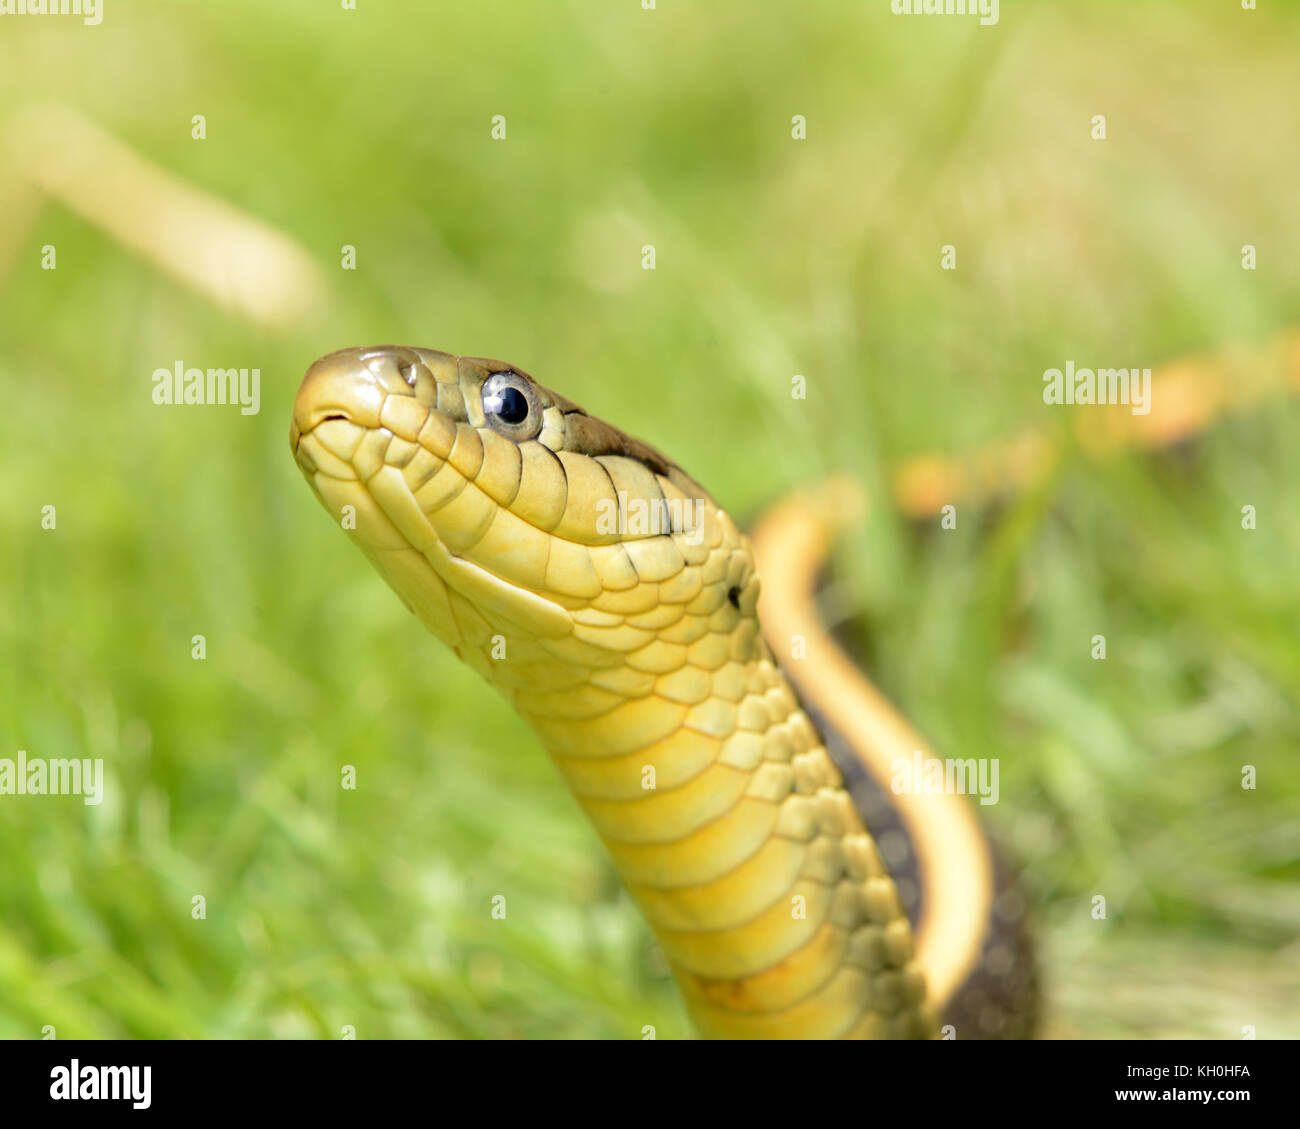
<point x="625" y="127"/>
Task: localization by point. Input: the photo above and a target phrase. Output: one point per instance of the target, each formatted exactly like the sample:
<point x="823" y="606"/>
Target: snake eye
<point x="510" y="405"/>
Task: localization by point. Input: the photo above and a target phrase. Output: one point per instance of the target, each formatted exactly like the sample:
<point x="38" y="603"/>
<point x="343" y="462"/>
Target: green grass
<point x="371" y="908"/>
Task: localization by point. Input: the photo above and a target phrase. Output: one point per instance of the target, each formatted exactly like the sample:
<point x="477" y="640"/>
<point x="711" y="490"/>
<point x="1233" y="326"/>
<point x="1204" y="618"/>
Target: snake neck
<point x="730" y="825"/>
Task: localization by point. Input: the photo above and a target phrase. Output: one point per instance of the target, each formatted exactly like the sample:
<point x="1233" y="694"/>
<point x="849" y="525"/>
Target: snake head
<point x="497" y="507"/>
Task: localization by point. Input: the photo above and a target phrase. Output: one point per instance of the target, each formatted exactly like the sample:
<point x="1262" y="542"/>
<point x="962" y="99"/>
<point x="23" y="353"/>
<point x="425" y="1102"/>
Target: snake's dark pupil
<point x="509" y="405"/>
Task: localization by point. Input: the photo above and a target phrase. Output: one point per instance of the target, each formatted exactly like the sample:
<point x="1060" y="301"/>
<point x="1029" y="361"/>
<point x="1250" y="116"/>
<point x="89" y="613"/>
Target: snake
<point x="733" y="759"/>
<point x="614" y="604"/>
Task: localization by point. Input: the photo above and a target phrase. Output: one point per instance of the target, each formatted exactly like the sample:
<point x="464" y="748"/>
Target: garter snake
<point x="615" y="605"/>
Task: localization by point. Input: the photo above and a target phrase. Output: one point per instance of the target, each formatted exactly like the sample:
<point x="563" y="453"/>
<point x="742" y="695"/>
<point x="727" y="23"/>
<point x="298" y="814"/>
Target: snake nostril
<point x="405" y="360"/>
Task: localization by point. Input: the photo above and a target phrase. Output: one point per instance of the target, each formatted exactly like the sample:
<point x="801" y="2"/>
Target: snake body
<point x="614" y="604"/>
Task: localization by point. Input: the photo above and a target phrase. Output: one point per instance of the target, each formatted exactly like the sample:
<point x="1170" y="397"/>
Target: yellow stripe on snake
<point x="612" y="602"/>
